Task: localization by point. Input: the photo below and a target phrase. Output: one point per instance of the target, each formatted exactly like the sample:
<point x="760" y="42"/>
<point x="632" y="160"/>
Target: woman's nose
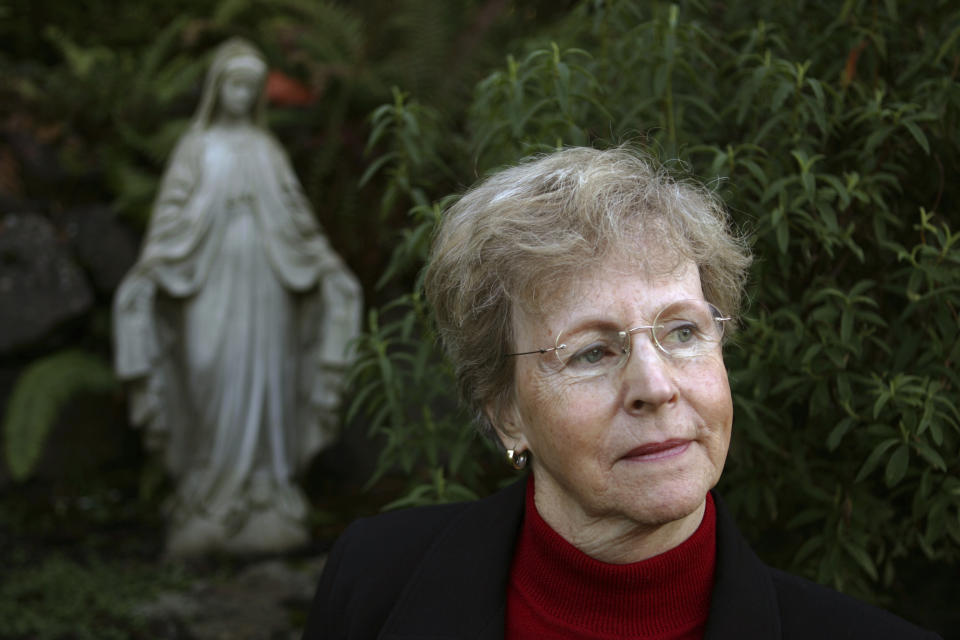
<point x="648" y="377"/>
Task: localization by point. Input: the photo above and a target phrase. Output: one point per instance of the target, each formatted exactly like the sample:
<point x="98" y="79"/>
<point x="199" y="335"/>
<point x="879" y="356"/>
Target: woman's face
<point x="641" y="445"/>
<point x="238" y="92"/>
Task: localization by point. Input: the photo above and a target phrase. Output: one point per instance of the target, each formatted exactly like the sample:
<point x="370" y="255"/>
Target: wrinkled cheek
<point x="535" y="402"/>
<point x="722" y="421"/>
<point x="714" y="403"/>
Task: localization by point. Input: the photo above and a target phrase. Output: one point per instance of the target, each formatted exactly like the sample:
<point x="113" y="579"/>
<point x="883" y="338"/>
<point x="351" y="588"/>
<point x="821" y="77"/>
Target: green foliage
<point x="121" y="98"/>
<point x="38" y="397"/>
<point x="534" y="105"/>
<point x="111" y="91"/>
<point x="420" y="423"/>
<point x="59" y="597"/>
<point x="410" y="132"/>
<point x="831" y="132"/>
<point x="136" y="102"/>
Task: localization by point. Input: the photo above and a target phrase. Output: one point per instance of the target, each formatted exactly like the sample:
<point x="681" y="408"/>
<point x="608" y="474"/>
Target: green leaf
<point x="780" y="95"/>
<point x="918" y="135"/>
<point x="375" y="166"/>
<point x="846" y="325"/>
<point x="931" y="455"/>
<point x="38" y="396"/>
<point x="843" y="388"/>
<point x="948" y="43"/>
<point x="882" y="399"/>
<point x="874" y="458"/>
<point x="897" y="465"/>
<point x="776" y="217"/>
<point x="809" y="184"/>
<point x="806" y="517"/>
<point x="837" y="433"/>
<point x="807" y="549"/>
<point x="876" y="138"/>
<point x="862" y="558"/>
<point x="783" y="237"/>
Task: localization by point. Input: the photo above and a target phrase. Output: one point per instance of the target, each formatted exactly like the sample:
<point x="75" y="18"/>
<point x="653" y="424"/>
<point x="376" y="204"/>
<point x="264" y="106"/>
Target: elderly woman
<point x="583" y="297"/>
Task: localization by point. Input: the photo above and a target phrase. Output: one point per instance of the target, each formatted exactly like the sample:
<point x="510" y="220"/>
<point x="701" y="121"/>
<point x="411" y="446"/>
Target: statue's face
<point x="238" y="93"/>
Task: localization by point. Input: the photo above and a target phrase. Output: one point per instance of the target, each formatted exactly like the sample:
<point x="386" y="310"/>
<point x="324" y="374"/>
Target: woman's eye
<point x="682" y="334"/>
<point x="590" y="355"/>
<point x="594" y="355"/>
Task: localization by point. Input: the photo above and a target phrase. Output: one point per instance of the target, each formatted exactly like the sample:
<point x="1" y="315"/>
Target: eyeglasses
<point x="684" y="329"/>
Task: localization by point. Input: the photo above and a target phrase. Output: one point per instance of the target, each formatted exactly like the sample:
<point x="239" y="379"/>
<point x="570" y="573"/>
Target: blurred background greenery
<point x="832" y="130"/>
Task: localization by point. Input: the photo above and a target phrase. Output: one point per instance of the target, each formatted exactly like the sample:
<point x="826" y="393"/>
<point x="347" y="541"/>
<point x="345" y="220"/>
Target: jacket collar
<point x="744" y="601"/>
<point x="459" y="589"/>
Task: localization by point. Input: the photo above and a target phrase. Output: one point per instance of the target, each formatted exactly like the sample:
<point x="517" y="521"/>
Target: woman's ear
<point x="507" y="424"/>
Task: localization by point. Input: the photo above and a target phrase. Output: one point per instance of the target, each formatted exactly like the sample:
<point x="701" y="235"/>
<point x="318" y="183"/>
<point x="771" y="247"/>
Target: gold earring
<point x="517" y="459"/>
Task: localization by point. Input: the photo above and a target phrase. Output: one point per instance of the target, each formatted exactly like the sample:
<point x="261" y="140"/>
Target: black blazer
<point x="441" y="573"/>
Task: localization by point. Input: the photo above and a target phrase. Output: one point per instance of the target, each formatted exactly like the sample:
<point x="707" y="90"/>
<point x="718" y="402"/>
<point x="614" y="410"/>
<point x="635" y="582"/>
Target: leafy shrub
<point x="831" y="132"/>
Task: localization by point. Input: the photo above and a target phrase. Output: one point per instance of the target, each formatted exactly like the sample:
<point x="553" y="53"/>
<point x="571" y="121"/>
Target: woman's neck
<point x="557" y="591"/>
<point x="614" y="539"/>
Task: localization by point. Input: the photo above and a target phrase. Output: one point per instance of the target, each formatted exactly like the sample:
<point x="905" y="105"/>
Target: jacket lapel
<point x="459" y="590"/>
<point x="744" y="601"/>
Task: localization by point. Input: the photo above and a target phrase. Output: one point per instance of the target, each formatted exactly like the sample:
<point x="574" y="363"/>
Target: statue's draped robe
<point x="235" y="325"/>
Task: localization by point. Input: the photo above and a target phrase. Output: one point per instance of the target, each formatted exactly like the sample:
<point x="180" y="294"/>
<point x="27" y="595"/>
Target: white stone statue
<point x="234" y="326"/>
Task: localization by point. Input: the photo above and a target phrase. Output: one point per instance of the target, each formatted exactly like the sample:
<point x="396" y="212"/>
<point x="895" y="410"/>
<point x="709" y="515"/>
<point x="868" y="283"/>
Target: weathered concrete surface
<point x="265" y="601"/>
<point x="40" y="284"/>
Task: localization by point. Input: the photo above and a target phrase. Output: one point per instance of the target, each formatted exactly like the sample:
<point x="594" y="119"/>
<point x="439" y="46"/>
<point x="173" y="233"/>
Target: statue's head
<point x="234" y="85"/>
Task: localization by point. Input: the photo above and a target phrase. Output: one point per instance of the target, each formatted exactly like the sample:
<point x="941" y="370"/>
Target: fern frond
<point x="39" y="395"/>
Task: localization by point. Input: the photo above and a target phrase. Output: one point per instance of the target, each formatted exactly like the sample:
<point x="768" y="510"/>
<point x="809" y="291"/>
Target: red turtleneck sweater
<point x="558" y="592"/>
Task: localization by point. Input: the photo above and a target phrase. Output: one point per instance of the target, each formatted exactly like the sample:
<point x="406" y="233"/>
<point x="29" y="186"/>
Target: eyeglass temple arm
<point x="527" y="353"/>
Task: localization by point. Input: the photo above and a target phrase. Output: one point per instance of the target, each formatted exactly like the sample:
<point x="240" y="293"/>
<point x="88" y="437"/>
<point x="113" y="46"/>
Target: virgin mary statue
<point x="234" y="326"/>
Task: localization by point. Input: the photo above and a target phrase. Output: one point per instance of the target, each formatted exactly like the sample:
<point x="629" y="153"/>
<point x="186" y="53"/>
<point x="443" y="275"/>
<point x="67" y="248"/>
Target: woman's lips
<point x="658" y="450"/>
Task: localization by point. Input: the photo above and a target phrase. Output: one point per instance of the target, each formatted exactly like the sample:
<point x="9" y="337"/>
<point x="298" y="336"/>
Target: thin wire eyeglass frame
<point x="624" y="335"/>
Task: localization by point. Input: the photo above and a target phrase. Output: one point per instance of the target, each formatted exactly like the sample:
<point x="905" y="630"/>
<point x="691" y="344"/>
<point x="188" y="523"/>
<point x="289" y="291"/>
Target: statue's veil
<point x="228" y="51"/>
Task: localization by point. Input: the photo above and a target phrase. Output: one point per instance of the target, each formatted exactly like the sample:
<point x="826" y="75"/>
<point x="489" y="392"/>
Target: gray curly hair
<point x="521" y="233"/>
